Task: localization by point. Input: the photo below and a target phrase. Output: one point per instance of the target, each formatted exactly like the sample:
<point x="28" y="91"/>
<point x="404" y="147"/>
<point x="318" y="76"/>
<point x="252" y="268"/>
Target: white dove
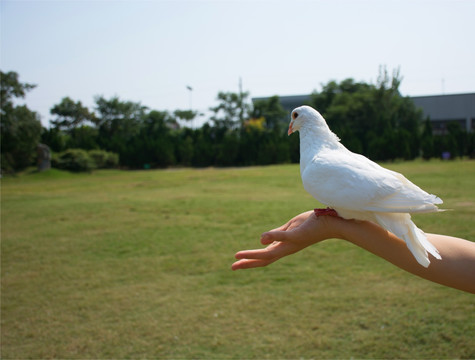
<point x="356" y="187"/>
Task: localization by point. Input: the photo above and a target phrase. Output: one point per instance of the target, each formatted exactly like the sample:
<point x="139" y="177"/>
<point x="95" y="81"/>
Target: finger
<point x="250" y="263"/>
<point x="254" y="254"/>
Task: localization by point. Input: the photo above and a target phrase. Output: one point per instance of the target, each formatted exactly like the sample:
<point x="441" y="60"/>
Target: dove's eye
<point x="295" y="115"/>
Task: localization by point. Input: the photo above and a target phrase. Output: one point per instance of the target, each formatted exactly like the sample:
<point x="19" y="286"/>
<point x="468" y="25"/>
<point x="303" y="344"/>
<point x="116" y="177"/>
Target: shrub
<point x="82" y="160"/>
<point x="73" y="160"/>
<point x="104" y="159"/>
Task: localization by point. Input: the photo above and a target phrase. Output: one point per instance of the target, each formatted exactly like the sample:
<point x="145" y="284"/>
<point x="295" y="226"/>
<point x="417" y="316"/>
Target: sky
<point x="150" y="51"/>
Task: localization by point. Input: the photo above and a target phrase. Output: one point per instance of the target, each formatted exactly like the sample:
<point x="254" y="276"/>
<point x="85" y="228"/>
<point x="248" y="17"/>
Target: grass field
<point x="137" y="265"/>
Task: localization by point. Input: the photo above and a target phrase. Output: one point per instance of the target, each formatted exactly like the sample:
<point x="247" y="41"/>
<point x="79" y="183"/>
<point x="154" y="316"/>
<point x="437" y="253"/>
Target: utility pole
<point x="241" y="104"/>
<point x="190" y="89"/>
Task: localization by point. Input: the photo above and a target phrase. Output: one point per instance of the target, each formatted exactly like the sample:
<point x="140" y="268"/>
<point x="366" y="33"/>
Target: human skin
<point x="456" y="269"/>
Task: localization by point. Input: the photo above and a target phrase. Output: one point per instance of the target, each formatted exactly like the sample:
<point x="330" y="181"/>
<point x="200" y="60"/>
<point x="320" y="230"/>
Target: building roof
<point x="447" y="107"/>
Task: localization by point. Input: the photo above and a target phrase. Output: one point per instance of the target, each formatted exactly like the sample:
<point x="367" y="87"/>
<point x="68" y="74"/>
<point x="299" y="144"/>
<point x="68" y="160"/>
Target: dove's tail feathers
<point x="426" y="244"/>
<point x="437" y="200"/>
<point x="426" y="208"/>
<point x="402" y="226"/>
<point x="399" y="203"/>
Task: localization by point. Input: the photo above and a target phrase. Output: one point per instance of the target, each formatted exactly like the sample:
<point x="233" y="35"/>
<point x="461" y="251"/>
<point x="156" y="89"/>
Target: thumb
<point x="275" y="235"/>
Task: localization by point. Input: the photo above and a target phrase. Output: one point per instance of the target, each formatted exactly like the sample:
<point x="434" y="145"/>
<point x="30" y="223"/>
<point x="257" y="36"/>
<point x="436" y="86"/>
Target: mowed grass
<point x="137" y="265"/>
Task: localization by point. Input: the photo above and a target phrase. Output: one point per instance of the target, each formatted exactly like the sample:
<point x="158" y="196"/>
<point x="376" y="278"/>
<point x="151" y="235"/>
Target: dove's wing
<point x="408" y="198"/>
<point x="342" y="179"/>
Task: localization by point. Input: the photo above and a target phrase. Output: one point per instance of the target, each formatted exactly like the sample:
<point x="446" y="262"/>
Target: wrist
<point x="335" y="227"/>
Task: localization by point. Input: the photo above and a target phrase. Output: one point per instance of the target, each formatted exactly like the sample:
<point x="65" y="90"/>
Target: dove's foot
<point x="326" y="212"/>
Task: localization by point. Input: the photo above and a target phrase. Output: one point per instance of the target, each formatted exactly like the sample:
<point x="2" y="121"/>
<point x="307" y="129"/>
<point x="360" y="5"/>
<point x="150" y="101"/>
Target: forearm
<point x="456" y="269"/>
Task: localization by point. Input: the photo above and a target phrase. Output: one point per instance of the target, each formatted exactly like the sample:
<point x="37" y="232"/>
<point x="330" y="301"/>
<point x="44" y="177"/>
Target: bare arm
<point x="456" y="269"/>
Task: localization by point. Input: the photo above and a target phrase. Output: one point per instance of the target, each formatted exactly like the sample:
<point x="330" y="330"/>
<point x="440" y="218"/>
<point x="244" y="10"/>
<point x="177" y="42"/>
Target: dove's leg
<point x="326" y="212"/>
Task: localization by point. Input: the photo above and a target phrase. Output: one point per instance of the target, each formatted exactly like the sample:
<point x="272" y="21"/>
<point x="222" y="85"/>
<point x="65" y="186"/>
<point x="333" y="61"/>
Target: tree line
<point x="371" y="119"/>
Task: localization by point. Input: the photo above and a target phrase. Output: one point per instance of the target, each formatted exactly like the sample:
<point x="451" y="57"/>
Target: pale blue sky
<point x="149" y="51"/>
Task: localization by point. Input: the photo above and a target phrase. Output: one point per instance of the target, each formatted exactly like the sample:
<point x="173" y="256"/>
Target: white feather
<point x="358" y="188"/>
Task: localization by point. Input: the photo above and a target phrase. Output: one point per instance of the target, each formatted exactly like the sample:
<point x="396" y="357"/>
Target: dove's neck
<point x="313" y="141"/>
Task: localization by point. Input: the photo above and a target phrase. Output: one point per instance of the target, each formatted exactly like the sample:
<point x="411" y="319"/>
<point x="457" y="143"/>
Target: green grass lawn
<point x="137" y="265"/>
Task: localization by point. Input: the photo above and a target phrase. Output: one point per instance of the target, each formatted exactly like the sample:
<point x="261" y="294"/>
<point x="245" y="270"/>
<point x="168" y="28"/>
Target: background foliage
<point x="20" y="127"/>
<point x="372" y="119"/>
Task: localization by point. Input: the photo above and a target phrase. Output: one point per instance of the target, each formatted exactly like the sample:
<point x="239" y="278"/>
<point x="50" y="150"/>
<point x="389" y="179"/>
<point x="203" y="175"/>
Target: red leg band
<point x="325" y="212"/>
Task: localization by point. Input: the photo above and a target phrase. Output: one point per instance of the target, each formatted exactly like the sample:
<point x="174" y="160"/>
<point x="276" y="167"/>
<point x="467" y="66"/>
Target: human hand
<point x="456" y="269"/>
<point x="301" y="231"/>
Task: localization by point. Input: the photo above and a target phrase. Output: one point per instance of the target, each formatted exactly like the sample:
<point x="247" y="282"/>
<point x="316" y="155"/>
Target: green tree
<point x="374" y="120"/>
<point x="11" y="88"/>
<point x="427" y="141"/>
<point x="20" y="127"/>
<point x="83" y="137"/>
<point x="323" y="99"/>
<point x="204" y="146"/>
<point x="116" y="115"/>
<point x="227" y="149"/>
<point x="119" y="123"/>
<point x="69" y="115"/>
<point x="56" y="140"/>
<point x="458" y="137"/>
<point x="184" y="148"/>
<point x="154" y="144"/>
<point x="272" y="111"/>
<point x="232" y="110"/>
<point x="186" y="115"/>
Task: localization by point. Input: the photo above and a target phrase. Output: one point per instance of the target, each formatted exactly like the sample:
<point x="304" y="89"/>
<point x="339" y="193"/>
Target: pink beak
<point x="290" y="131"/>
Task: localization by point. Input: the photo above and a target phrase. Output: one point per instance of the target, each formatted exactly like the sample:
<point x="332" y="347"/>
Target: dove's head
<point x="305" y="116"/>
